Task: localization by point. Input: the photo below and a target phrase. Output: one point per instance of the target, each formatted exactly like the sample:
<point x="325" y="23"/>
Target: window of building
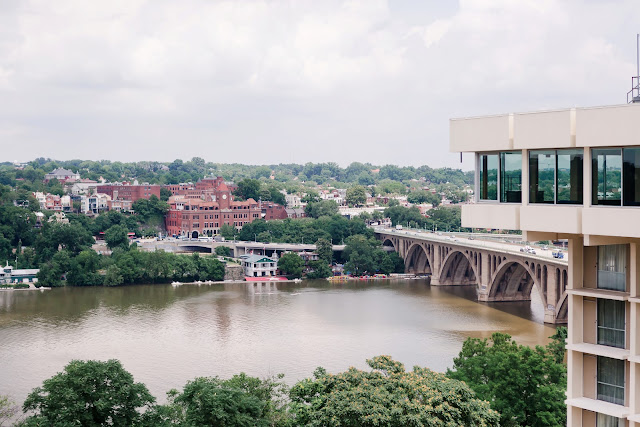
<point x="603" y="420"/>
<point x="612" y="266"/>
<point x="556" y="176"/>
<point x="610" y="380"/>
<point x="488" y="176"/>
<point x="569" y="176"/>
<point x="511" y="177"/>
<point x="542" y="176"/>
<point x="611" y="323"/>
<point x="631" y="176"/>
<point x="606" y="176"/>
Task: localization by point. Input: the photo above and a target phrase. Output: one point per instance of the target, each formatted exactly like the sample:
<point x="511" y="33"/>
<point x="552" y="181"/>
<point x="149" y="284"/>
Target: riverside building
<point x="573" y="174"/>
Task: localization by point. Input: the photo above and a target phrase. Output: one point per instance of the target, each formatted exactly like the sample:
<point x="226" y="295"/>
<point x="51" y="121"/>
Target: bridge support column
<point x="550" y="303"/>
<point x="484" y="278"/>
<point x="437" y="266"/>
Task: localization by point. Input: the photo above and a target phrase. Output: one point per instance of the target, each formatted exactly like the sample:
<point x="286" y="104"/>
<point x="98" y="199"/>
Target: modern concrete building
<point x="573" y="174"/>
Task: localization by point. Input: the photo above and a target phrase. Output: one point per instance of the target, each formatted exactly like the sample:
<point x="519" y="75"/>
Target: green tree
<point x="387" y="396"/>
<point x="324" y="249"/>
<point x="321" y="208"/>
<point x="291" y="264"/>
<point x="113" y="276"/>
<point x="238" y="401"/>
<point x="8" y="409"/>
<point x="227" y="231"/>
<point x="165" y="194"/>
<point x="223" y="251"/>
<point x="88" y="393"/>
<point x="319" y="270"/>
<point x="526" y="385"/>
<point x="248" y="189"/>
<point x="116" y="237"/>
<point x="356" y="195"/>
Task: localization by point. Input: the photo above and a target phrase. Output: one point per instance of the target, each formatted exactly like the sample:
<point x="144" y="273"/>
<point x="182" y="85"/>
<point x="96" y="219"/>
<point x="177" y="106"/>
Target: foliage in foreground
<point x="526" y="385"/>
<point x="94" y="393"/>
<point x="88" y="393"/>
<point x="387" y="396"/>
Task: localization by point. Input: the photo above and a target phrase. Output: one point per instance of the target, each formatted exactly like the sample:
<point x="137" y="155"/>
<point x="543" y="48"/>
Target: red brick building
<point x="129" y="192"/>
<point x="272" y="210"/>
<point x="203" y="216"/>
<point x="203" y="189"/>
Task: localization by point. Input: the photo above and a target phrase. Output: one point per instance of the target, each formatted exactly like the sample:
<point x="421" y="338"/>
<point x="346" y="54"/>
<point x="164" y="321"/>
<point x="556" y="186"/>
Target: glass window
<point x="608" y="421"/>
<point x="511" y="177"/>
<point x="569" y="176"/>
<point x="611" y="323"/>
<point x="612" y="265"/>
<point x="631" y="176"/>
<point x="542" y="166"/>
<point x="610" y="380"/>
<point x="489" y="177"/>
<point x="607" y="176"/>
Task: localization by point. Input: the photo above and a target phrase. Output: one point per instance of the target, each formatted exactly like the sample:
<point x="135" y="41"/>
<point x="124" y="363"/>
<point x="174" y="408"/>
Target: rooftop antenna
<point x="634" y="94"/>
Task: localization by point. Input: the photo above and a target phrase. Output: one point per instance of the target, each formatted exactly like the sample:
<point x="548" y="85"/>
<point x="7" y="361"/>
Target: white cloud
<point x="338" y="80"/>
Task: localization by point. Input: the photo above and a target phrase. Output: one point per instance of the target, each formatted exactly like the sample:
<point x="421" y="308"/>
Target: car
<point x="558" y="254"/>
<point x="470" y="238"/>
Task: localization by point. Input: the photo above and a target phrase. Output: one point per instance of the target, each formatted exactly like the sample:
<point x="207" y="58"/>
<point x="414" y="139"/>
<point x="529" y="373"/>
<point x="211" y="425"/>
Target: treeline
<point x="493" y="382"/>
<point x="197" y="168"/>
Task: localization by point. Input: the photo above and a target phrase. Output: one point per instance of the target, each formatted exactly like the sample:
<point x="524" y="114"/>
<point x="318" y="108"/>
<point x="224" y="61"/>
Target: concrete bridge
<point x="499" y="270"/>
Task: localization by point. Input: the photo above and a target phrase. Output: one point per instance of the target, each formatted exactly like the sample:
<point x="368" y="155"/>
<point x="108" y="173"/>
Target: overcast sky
<point x="263" y="82"/>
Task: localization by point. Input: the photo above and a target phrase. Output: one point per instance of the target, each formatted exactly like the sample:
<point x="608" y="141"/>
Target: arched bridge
<point x="499" y="270"/>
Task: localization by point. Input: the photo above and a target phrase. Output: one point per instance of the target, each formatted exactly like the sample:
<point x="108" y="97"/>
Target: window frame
<point x="477" y="175"/>
<point x="556" y="153"/>
<point x="599" y="326"/>
<point x="624" y="380"/>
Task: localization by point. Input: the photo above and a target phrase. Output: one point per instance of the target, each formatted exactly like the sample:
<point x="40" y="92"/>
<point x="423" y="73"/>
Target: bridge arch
<point x="418" y="259"/>
<point x="388" y="244"/>
<point x="459" y="268"/>
<point x="513" y="280"/>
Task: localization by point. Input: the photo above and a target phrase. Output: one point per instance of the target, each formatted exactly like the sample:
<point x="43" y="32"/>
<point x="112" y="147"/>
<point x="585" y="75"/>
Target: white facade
<point x="573" y="174"/>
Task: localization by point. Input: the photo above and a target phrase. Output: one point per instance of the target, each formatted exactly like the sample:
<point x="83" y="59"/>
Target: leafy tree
<point x="319" y="270"/>
<point x="116" y="237"/>
<point x="238" y="401"/>
<point x="113" y="276"/>
<point x="324" y="249"/>
<point x="227" y="231"/>
<point x="311" y="196"/>
<point x="165" y="194"/>
<point x="248" y="189"/>
<point x="291" y="264"/>
<point x="418" y="197"/>
<point x="356" y="195"/>
<point x="88" y="393"/>
<point x="387" y="395"/>
<point x="321" y="208"/>
<point x="223" y="251"/>
<point x="526" y="385"/>
<point x="8" y="409"/>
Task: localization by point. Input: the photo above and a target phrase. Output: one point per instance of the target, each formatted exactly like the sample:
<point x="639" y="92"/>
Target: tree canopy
<point x="88" y="393"/>
<point x="387" y="396"/>
<point x="526" y="385"/>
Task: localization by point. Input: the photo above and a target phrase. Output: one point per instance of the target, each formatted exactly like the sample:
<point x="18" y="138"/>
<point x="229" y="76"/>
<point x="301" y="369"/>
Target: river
<point x="166" y="335"/>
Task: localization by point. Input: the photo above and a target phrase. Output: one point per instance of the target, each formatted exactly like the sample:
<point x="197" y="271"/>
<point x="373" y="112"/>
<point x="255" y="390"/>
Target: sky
<point x="267" y="82"/>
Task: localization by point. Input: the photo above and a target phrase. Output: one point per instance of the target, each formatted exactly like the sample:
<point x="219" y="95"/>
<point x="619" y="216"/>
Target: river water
<point x="166" y="335"/>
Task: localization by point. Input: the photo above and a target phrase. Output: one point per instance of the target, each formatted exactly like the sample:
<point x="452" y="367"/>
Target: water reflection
<point x="167" y="335"/>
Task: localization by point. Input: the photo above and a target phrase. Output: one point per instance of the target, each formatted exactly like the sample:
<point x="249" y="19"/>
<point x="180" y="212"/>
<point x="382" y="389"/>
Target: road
<point x="477" y="241"/>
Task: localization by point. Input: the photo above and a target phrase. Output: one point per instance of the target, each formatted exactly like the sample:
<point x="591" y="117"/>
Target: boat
<point x="297" y="280"/>
<point x="176" y="283"/>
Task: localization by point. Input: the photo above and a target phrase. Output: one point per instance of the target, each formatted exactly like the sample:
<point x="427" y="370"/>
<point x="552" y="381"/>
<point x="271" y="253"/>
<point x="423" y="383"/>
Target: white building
<point x="573" y="174"/>
<point x="258" y="266"/>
